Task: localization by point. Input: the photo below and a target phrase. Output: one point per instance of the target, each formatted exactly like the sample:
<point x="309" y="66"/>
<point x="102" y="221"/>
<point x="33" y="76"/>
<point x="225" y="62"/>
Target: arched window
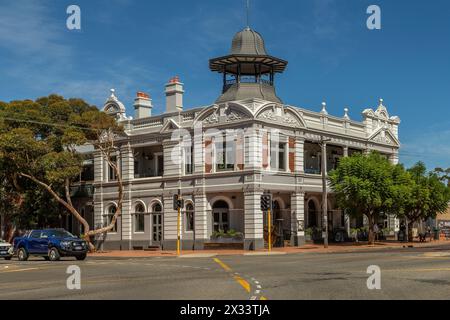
<point x="156" y="208"/>
<point x="139" y="220"/>
<point x="111" y="212"/>
<point x="189" y="217"/>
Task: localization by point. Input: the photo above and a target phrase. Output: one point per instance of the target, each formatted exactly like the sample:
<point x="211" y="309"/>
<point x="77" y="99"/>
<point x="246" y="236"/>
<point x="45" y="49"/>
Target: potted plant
<point x="227" y="237"/>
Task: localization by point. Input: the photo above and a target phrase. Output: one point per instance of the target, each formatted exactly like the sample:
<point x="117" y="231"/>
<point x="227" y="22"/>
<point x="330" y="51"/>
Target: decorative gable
<point x="170" y="125"/>
<point x="385" y="136"/>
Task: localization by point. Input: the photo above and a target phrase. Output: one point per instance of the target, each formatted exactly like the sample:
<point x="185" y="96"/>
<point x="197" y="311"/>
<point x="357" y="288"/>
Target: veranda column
<point x="127" y="167"/>
<point x="253" y="221"/>
<point x="98" y="197"/>
<point x="298" y="219"/>
<point x="172" y="169"/>
<point x="346" y="216"/>
<point x="200" y="220"/>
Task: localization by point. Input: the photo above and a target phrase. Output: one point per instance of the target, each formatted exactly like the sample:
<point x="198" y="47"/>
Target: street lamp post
<point x="323" y="143"/>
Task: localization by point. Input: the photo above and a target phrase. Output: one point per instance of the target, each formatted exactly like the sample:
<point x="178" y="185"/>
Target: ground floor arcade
<point x="220" y="217"/>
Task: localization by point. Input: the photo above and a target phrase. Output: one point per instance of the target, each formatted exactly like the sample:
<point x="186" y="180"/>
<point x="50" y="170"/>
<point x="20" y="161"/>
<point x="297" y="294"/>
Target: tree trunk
<point x="410" y="231"/>
<point x="371" y="232"/>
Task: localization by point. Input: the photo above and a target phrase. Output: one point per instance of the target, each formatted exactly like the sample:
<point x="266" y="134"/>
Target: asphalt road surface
<point x="410" y="273"/>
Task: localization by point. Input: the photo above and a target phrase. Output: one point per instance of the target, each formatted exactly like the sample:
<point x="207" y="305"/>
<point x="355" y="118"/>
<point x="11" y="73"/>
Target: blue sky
<point x="138" y="45"/>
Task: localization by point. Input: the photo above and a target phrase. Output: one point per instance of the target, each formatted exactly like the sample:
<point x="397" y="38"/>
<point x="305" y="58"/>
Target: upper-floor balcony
<point x="148" y="162"/>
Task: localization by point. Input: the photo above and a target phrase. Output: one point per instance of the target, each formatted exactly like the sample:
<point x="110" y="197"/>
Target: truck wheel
<point x="22" y="254"/>
<point x="46" y="258"/>
<point x="53" y="254"/>
<point x="82" y="257"/>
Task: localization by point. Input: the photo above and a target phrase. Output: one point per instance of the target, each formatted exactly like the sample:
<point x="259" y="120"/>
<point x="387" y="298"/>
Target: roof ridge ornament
<point x="346" y="116"/>
<point x="324" y="108"/>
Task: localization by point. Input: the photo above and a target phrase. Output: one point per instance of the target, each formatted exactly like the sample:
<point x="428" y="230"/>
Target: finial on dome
<point x="346" y="116"/>
<point x="381" y="102"/>
<point x="324" y="108"/>
<point x="113" y="92"/>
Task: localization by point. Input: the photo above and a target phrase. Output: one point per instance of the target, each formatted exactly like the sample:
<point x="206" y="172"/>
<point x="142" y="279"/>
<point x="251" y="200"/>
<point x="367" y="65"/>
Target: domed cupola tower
<point x="248" y="71"/>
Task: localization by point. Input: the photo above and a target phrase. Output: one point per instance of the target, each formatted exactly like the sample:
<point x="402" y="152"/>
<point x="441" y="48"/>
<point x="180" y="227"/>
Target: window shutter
<point x="291" y="154"/>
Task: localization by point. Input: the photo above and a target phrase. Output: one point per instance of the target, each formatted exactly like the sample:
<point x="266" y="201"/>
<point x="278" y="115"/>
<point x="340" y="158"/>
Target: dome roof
<point x="248" y="42"/>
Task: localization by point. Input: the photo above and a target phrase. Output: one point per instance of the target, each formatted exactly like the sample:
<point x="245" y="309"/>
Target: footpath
<point x="308" y="248"/>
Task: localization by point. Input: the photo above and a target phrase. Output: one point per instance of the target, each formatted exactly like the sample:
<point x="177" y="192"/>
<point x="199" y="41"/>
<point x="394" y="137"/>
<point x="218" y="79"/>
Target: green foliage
<point x="229" y="234"/>
<point x="40" y="139"/>
<point x="367" y="184"/>
<point x="370" y="185"/>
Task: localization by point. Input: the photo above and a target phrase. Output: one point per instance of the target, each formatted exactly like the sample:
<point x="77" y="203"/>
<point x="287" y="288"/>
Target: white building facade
<point x="223" y="157"/>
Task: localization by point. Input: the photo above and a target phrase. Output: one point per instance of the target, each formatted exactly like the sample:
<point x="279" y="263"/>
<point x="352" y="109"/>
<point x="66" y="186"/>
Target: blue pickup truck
<point x="52" y="244"/>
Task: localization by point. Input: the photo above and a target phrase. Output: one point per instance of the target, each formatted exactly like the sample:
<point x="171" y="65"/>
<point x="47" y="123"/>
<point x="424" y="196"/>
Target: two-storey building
<point x="222" y="157"/>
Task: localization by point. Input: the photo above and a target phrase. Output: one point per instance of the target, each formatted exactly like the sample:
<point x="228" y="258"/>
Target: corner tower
<point x="248" y="71"/>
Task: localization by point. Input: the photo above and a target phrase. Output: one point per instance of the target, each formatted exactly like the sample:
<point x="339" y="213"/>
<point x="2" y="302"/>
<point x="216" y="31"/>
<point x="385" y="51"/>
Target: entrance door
<point x="156" y="225"/>
<point x="221" y="216"/>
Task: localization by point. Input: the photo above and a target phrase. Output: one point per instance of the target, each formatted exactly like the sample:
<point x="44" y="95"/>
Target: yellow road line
<point x="263" y="298"/>
<point x="244" y="284"/>
<point x="18" y="270"/>
<point x="223" y="265"/>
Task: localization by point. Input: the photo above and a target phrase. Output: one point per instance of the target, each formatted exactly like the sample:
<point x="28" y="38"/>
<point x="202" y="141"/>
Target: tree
<point x="368" y="185"/>
<point x="39" y="142"/>
<point x="429" y="196"/>
<point x="443" y="174"/>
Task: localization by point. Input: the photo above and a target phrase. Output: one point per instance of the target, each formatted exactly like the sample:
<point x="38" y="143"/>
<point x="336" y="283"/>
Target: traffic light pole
<point x="269" y="223"/>
<point x="178" y="230"/>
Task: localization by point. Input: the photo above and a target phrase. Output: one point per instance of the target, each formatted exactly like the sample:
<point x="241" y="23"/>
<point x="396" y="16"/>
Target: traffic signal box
<point x="266" y="202"/>
<point x="178" y="202"/>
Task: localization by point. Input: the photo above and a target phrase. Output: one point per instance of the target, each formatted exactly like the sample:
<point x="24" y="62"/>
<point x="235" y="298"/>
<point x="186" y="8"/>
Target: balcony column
<point x="199" y="149"/>
<point x="345" y="151"/>
<point x="252" y="149"/>
<point x="298" y="219"/>
<point x="393" y="158"/>
<point x="299" y="155"/>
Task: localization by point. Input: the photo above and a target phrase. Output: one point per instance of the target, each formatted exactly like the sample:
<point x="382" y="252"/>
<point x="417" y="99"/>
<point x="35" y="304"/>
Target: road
<point x="410" y="273"/>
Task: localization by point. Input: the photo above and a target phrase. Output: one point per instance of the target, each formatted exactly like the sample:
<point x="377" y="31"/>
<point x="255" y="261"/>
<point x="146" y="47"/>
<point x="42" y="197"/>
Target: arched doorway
<point x="312" y="214"/>
<point x="156" y="221"/>
<point x="221" y="221"/>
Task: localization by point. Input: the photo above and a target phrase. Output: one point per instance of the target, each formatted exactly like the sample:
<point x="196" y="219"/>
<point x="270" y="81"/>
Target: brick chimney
<point x="174" y="95"/>
<point x="142" y="106"/>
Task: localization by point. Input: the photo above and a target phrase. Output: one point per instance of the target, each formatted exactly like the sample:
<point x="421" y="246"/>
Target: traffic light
<point x="178" y="202"/>
<point x="266" y="202"/>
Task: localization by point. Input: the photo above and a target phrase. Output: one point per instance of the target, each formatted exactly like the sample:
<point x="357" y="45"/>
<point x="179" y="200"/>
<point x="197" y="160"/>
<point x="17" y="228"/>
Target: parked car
<point x="52" y="244"/>
<point x="6" y="250"/>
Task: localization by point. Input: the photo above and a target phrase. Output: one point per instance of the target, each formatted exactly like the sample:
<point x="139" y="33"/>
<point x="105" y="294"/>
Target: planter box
<point x="226" y="240"/>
